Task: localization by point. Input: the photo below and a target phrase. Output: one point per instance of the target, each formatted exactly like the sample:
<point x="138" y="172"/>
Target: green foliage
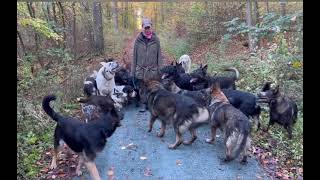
<point x="270" y="25"/>
<point x="58" y="53"/>
<point x="40" y="26"/>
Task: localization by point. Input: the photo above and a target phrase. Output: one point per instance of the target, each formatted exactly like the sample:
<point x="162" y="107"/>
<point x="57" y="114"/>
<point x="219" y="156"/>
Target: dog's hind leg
<point x="289" y="130"/>
<point x="91" y="166"/>
<point x="56" y="150"/>
<point x="78" y="170"/>
<point x="213" y="135"/>
<point x="246" y="152"/>
<point x="193" y="137"/>
<point x="151" y="122"/>
<point x="178" y="140"/>
<point x="162" y="130"/>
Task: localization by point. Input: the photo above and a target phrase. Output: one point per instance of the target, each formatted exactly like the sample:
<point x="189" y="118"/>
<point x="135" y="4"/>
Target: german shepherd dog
<point x="182" y="111"/>
<point x="234" y="124"/>
<point x="202" y="97"/>
<point x="244" y="101"/>
<point x="86" y="139"/>
<point x="282" y="110"/>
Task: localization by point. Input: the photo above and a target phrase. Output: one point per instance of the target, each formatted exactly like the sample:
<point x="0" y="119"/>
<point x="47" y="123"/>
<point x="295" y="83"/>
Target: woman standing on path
<point x="147" y="59"/>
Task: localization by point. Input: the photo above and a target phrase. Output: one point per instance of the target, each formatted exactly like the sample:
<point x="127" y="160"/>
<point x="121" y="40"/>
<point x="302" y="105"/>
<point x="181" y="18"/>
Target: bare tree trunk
<point x="74" y="31"/>
<point x="283" y="7"/>
<point x="115" y="15"/>
<point x="256" y="12"/>
<point x="88" y="23"/>
<point x="44" y="9"/>
<point x="21" y="42"/>
<point x="249" y="23"/>
<point x="98" y="28"/>
<point x="48" y="11"/>
<point x="36" y="35"/>
<point x="63" y="24"/>
<point x="155" y="16"/>
<point x="54" y="12"/>
<point x="126" y="15"/>
<point x="162" y="12"/>
<point x="267" y="6"/>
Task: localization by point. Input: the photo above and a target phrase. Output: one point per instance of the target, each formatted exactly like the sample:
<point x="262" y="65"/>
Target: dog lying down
<point x="85" y="139"/>
<point x="232" y="122"/>
<point x="182" y="111"/>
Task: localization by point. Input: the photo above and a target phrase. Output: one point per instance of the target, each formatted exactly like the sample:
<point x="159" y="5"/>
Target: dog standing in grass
<point x="185" y="60"/>
<point x="85" y="139"/>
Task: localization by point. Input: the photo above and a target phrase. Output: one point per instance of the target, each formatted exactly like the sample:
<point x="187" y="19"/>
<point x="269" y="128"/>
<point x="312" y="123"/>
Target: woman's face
<point x="147" y="30"/>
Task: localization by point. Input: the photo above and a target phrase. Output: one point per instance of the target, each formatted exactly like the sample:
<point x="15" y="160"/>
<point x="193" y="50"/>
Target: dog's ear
<point x="276" y="90"/>
<point x="103" y="63"/>
<point x="193" y="80"/>
<point x="205" y="68"/>
<point x="266" y="86"/>
<point x="171" y="63"/>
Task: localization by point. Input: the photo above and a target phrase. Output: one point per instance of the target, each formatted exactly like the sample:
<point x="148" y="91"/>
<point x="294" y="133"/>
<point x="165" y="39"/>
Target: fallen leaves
<point x="178" y="162"/>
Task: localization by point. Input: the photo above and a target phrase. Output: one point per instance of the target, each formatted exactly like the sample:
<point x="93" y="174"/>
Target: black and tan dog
<point x="182" y="111"/>
<point x="234" y="124"/>
<point x="282" y="110"/>
<point x="202" y="96"/>
<point x="86" y="139"/>
<point x="244" y="101"/>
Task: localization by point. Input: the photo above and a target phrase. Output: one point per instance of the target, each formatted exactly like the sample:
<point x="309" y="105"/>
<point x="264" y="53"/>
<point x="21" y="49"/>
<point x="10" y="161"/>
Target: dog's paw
<point x="244" y="162"/>
<point x="210" y="141"/>
<point x="160" y="134"/>
<point x="53" y="165"/>
<point x="186" y="142"/>
<point x="79" y="173"/>
<point x="172" y="146"/>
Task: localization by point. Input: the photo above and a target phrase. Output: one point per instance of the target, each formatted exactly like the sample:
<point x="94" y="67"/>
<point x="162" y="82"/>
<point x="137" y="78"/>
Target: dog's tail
<point x="235" y="70"/>
<point x="239" y="141"/>
<point x="47" y="108"/>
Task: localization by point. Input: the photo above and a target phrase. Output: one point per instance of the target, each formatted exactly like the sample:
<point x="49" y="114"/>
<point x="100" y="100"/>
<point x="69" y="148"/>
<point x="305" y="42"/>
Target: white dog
<point x="186" y="62"/>
<point x="105" y="77"/>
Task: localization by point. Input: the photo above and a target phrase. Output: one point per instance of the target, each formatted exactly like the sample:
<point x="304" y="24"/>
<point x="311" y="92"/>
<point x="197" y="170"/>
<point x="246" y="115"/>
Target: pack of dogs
<point x="179" y="97"/>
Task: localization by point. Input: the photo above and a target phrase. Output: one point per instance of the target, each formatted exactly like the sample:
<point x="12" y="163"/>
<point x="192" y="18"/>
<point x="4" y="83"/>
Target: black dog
<point x="183" y="80"/>
<point x="90" y="85"/>
<point x="86" y="139"/>
<point x="205" y="80"/>
<point x="245" y="102"/>
<point x="123" y="77"/>
<point x="282" y="110"/>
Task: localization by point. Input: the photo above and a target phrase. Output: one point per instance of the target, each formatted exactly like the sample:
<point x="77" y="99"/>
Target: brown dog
<point x="234" y="124"/>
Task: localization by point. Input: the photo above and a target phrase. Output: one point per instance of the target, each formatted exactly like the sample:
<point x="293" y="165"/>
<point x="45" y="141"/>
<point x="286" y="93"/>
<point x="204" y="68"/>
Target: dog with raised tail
<point x="185" y="60"/>
<point x="232" y="122"/>
<point x="85" y="139"/>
